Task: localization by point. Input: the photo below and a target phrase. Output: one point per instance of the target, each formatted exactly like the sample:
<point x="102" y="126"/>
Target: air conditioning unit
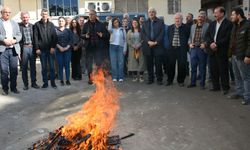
<point x="98" y="6"/>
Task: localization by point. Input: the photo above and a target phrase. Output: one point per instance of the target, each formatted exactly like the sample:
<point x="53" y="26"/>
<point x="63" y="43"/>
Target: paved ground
<point x="162" y="118"/>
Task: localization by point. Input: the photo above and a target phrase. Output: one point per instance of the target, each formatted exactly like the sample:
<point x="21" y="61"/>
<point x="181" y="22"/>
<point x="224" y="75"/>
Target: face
<point x="92" y="16"/>
<point x="61" y="22"/>
<point x="25" y="18"/>
<point x="189" y="18"/>
<point x="135" y="24"/>
<point x="177" y="20"/>
<point x="201" y="18"/>
<point x="125" y="22"/>
<point x="74" y="23"/>
<point x="81" y="21"/>
<point x="234" y="17"/>
<point x="68" y="20"/>
<point x="218" y="15"/>
<point x="141" y="19"/>
<point x="45" y="16"/>
<point x="116" y="23"/>
<point x="151" y="14"/>
<point x="6" y="13"/>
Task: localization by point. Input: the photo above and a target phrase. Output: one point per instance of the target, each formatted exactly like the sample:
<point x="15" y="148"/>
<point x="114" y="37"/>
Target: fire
<point x="96" y="117"/>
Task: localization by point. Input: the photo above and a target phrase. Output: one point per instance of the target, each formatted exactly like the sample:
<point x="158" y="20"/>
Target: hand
<point x="75" y="48"/>
<point x="7" y="42"/>
<point x="213" y="46"/>
<point x="202" y="46"/>
<point x="52" y="51"/>
<point x="150" y="43"/>
<point x="13" y="41"/>
<point x="191" y="45"/>
<point x="99" y="34"/>
<point x="38" y="52"/>
<point x="87" y="35"/>
<point x="247" y="60"/>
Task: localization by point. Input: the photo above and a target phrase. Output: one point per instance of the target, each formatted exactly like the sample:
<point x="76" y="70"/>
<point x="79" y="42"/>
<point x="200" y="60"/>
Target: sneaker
<point x="120" y="80"/>
<point x="68" y="83"/>
<point x="62" y="83"/>
<point x="135" y="79"/>
<point x="141" y="79"/>
<point x="114" y="80"/>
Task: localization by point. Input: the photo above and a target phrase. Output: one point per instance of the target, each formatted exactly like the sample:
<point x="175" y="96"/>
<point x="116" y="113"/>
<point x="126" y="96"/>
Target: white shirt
<point x="8" y="29"/>
<point x="217" y="28"/>
<point x="116" y="35"/>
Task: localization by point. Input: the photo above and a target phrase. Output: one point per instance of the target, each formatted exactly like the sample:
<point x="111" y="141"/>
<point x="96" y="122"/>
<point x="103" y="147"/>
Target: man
<point x="83" y="54"/>
<point x="178" y="34"/>
<point x="10" y="36"/>
<point x="198" y="55"/>
<point x="249" y="15"/>
<point x="189" y="20"/>
<point x="217" y="40"/>
<point x="94" y="33"/>
<point x="240" y="51"/>
<point x="28" y="54"/>
<point x="45" y="40"/>
<point x="152" y="46"/>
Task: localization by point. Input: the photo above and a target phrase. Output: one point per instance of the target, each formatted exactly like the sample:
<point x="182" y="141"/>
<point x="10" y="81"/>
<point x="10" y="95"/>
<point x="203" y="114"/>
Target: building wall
<point x="187" y="6"/>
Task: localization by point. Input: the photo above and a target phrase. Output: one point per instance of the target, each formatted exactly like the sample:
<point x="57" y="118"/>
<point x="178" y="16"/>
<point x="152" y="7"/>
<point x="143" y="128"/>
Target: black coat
<point x="41" y="41"/>
<point x="158" y="37"/>
<point x="222" y="39"/>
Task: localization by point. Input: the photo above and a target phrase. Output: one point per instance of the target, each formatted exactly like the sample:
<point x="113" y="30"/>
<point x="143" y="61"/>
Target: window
<point x="140" y="6"/>
<point x="174" y="6"/>
<point x="61" y="7"/>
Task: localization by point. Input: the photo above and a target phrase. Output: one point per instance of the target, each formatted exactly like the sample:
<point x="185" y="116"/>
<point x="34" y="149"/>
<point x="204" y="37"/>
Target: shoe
<point x="5" y="92"/>
<point x="25" y="88"/>
<point x="15" y="91"/>
<point x="191" y="86"/>
<point x="225" y="92"/>
<point x="150" y="82"/>
<point x="53" y="85"/>
<point x="114" y="80"/>
<point x="214" y="89"/>
<point x="181" y="84"/>
<point x="169" y="83"/>
<point x="159" y="82"/>
<point x="62" y="83"/>
<point x="45" y="85"/>
<point x="135" y="79"/>
<point x="34" y="85"/>
<point x="68" y="83"/>
<point x="234" y="96"/>
<point x="90" y="82"/>
<point x="244" y="102"/>
<point x="141" y="79"/>
<point x="120" y="80"/>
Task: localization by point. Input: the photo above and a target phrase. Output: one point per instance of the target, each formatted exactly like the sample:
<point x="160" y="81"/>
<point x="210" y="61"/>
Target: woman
<point x="117" y="49"/>
<point x="63" y="51"/>
<point x="136" y="62"/>
<point x="76" y="50"/>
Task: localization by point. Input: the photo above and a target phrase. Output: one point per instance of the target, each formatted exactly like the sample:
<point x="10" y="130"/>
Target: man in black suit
<point x="217" y="40"/>
<point x="178" y="34"/>
<point x="152" y="36"/>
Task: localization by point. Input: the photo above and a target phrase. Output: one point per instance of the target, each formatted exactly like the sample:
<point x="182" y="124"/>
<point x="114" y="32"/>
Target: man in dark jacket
<point x="45" y="40"/>
<point x="217" y="41"/>
<point x="94" y="33"/>
<point x="152" y="46"/>
<point x="240" y="52"/>
<point x="178" y="34"/>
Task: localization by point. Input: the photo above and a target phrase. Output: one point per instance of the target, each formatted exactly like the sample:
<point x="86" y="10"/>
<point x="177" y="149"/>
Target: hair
<point x="114" y="19"/>
<point x="24" y="12"/>
<point x="44" y="10"/>
<point x="138" y="25"/>
<point x="179" y="14"/>
<point x="78" y="28"/>
<point x="152" y="9"/>
<point x="92" y="10"/>
<point x="221" y="9"/>
<point x="239" y="11"/>
<point x="61" y="17"/>
<point x="191" y="15"/>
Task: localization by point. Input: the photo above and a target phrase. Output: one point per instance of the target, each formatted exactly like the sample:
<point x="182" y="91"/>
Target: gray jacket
<point x="203" y="33"/>
<point x="16" y="35"/>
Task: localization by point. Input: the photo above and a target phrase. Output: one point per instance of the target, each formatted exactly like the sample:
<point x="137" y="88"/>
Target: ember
<point x="88" y="129"/>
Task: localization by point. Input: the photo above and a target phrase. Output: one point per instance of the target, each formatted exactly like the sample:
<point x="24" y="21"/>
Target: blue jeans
<point x="242" y="78"/>
<point x="28" y="56"/>
<point x="8" y="64"/>
<point x="198" y="59"/>
<point x="63" y="59"/>
<point x="117" y="61"/>
<point x="47" y="59"/>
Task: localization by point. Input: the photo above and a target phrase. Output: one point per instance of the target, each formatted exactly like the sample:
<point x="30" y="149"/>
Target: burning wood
<point x="88" y="129"/>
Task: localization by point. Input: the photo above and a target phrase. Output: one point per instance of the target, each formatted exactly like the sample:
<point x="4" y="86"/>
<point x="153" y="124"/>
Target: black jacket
<point x="242" y="32"/>
<point x="44" y="36"/>
<point x="222" y="39"/>
<point x="100" y="41"/>
<point x="158" y="37"/>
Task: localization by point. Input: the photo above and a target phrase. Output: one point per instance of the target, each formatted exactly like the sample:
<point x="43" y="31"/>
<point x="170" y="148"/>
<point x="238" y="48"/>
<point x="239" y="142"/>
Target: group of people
<point x="132" y="46"/>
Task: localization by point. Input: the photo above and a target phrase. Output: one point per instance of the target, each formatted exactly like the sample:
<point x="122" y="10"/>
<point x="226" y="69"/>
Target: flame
<point x="96" y="117"/>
